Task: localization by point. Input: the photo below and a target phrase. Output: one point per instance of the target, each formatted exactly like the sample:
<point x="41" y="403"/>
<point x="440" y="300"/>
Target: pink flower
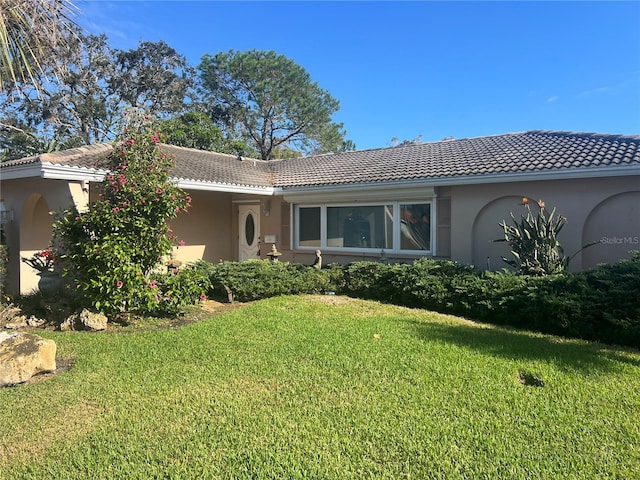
<point x="152" y="284"/>
<point x="175" y="271"/>
<point x="159" y="191"/>
<point x="203" y="297"/>
<point x="115" y="210"/>
<point x="182" y="243"/>
<point x="119" y="284"/>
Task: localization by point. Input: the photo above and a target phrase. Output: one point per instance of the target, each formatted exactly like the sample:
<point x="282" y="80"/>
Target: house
<point x="441" y="199"/>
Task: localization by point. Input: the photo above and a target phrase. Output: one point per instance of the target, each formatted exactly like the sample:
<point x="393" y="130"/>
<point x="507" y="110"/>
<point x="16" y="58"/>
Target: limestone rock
<point x="34" y="321"/>
<point x="11" y="317"/>
<point x="85" y="320"/>
<point x="23" y="355"/>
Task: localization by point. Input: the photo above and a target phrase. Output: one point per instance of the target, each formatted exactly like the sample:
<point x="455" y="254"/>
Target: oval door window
<point x="249" y="229"/>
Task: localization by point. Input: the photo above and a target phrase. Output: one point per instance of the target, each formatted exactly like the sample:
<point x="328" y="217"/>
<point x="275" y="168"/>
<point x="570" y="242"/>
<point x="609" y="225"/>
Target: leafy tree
<point x="271" y="102"/>
<point x="197" y="130"/>
<point x="93" y="88"/>
<point x="111" y="249"/>
<point x="30" y="30"/>
<point x="153" y="77"/>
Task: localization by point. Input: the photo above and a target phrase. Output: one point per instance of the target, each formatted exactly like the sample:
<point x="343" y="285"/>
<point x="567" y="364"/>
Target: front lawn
<point x="326" y="387"/>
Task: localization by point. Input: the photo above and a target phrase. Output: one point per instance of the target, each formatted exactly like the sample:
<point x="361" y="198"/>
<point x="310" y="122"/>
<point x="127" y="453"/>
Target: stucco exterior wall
<point x="205" y="228"/>
<point x="595" y="209"/>
<point x="31" y="200"/>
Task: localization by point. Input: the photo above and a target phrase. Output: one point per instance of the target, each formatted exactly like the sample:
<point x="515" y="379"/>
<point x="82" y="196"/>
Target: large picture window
<point x="401" y="227"/>
<point x="359" y="227"/>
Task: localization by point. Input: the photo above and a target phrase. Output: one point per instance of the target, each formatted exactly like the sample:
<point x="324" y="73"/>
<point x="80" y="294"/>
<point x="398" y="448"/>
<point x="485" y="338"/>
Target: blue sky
<point x="429" y="69"/>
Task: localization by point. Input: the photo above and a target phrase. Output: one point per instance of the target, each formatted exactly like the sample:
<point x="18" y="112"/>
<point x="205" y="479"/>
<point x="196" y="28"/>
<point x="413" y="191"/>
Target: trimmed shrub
<point x="256" y="279"/>
<point x="602" y="304"/>
<point x="181" y="287"/>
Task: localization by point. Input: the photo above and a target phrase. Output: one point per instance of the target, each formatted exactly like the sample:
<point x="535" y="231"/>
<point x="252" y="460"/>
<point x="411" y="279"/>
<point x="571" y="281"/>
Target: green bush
<point x="110" y="250"/>
<point x="600" y="304"/>
<point x="179" y="288"/>
<point x="256" y="279"/>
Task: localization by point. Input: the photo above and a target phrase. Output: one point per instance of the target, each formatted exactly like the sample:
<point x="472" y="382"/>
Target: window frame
<point x="396" y="225"/>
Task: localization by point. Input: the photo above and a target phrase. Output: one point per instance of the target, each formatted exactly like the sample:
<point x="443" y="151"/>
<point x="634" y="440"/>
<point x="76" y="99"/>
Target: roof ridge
<point x="563" y="133"/>
<point x="50" y="157"/>
<point x="230" y="155"/>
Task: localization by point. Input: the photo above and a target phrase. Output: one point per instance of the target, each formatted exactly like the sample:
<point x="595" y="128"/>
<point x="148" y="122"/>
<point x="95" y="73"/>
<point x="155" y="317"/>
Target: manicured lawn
<point x="328" y="388"/>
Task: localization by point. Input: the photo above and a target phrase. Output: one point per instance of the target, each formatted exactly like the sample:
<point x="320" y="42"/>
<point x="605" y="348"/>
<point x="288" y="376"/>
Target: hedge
<point x="602" y="304"/>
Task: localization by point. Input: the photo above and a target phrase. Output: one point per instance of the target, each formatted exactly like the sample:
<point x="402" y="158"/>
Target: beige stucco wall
<point x="31" y="200"/>
<point x="468" y="220"/>
<point x="205" y="228"/>
<point x="595" y="208"/>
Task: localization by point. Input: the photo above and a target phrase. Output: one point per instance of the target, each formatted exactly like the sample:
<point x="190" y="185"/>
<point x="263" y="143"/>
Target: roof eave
<point x="63" y="172"/>
<point x="21" y="171"/>
<point x="223" y="187"/>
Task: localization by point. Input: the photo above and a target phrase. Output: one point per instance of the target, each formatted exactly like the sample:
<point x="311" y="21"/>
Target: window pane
<point x="309" y="227"/>
<point x="249" y="229"/>
<point x="360" y="227"/>
<point x="415" y="226"/>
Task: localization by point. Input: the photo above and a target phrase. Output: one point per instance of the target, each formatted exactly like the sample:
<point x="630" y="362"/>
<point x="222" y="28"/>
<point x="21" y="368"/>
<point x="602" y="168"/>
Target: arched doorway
<point x="36" y="227"/>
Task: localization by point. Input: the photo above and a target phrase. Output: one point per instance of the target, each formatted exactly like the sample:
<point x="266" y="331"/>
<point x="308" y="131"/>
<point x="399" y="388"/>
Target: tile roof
<point x="87" y="156"/>
<point x="200" y="166"/>
<point x="475" y="158"/>
<point x="514" y="153"/>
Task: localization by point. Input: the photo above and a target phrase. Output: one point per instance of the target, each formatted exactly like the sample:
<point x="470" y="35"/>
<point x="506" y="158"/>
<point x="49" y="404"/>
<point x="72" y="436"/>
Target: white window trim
<point x="295" y="222"/>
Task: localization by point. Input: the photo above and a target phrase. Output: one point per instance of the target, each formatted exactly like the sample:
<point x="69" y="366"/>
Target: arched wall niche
<point x="486" y="252"/>
<point x="615" y="222"/>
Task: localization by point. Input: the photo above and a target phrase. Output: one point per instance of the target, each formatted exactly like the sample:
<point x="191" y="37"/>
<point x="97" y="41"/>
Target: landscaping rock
<point x="11" y="317"/>
<point x="34" y="321"/>
<point x="23" y="355"/>
<point x="85" y="320"/>
<point x="16" y="323"/>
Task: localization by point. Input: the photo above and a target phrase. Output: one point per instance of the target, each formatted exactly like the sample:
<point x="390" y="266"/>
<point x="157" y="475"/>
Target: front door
<point x="249" y="232"/>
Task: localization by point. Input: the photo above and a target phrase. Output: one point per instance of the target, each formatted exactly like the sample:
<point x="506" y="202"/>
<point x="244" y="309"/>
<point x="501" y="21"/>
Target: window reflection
<point x="359" y="227"/>
<point x="415" y="226"/>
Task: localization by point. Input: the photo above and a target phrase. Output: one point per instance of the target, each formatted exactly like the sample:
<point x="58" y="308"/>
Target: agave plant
<point x="534" y="241"/>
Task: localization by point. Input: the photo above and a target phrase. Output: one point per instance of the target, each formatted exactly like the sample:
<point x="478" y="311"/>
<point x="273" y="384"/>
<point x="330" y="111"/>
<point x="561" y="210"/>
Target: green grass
<point x="327" y="388"/>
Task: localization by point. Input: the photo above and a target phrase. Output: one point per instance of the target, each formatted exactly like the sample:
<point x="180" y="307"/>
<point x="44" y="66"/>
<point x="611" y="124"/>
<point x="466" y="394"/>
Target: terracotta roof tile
<point x="513" y="153"/>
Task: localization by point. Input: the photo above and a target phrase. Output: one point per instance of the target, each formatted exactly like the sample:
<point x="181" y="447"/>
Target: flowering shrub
<point x="180" y="287"/>
<point x="113" y="247"/>
<point x="43" y="261"/>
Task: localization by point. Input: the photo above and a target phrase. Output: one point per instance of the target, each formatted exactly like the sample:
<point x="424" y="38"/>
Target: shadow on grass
<point x="577" y="356"/>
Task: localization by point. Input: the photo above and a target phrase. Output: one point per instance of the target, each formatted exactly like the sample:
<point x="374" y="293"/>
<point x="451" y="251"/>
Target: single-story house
<point x="441" y="199"/>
